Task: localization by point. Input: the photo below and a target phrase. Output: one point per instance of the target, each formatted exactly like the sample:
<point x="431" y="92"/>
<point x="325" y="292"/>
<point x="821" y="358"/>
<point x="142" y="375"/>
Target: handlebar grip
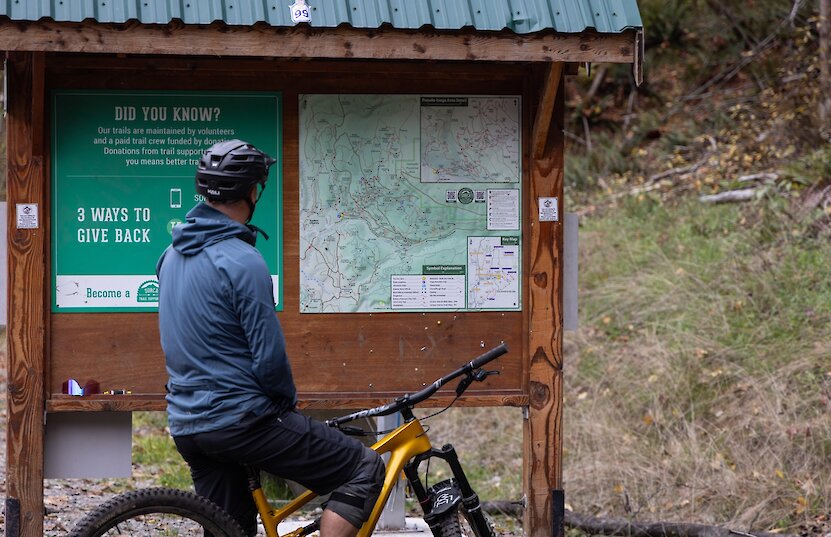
<point x="492" y="354"/>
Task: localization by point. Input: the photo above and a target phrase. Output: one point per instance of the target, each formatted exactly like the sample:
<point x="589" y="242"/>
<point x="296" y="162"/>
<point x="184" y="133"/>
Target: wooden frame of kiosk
<point x="341" y="359"/>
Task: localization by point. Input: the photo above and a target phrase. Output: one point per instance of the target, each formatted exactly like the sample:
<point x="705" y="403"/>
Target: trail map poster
<point x="410" y="203"/>
<point x="123" y="166"/>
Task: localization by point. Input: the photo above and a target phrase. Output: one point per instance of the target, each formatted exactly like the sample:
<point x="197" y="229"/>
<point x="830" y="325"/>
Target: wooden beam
<point x="303" y="42"/>
<point x="163" y="66"/>
<point x="542" y="121"/>
<point x="27" y="300"/>
<point x="542" y="457"/>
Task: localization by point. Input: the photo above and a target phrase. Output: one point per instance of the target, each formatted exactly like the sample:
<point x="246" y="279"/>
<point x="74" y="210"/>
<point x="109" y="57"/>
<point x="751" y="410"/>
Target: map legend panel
<point x="427" y="292"/>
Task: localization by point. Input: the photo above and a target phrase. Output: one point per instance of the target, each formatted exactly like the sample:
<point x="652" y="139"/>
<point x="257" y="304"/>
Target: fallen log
<point x="764" y="176"/>
<point x="629" y="528"/>
<point x="503" y="507"/>
<point x="608" y="526"/>
<point x="731" y="196"/>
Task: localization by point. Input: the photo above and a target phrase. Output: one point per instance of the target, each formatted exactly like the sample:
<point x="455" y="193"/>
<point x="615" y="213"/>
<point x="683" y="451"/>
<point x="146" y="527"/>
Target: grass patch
<point x="699" y="377"/>
<point x="489" y="444"/>
<point x="154" y="453"/>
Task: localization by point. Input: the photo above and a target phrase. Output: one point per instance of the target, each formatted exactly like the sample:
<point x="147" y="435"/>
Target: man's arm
<point x="255" y="307"/>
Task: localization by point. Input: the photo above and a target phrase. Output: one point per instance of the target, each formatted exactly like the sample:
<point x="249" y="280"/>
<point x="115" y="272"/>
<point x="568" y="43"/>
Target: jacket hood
<point x="206" y="226"/>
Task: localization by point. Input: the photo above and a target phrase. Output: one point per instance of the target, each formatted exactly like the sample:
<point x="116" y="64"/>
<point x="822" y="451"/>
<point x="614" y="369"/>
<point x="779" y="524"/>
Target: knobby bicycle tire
<point x="450" y="525"/>
<point x="158" y="511"/>
<point x="456" y="524"/>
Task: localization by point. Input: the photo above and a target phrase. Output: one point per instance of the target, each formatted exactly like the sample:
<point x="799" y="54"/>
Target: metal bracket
<point x="12" y="517"/>
<point x="558" y="512"/>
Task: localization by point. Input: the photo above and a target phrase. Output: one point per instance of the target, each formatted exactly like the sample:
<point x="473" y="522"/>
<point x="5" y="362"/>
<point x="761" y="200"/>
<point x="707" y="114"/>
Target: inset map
<point x="493" y="272"/>
<point x="470" y="140"/>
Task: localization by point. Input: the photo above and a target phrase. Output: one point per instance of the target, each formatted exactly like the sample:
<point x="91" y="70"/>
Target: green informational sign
<point x="123" y="165"/>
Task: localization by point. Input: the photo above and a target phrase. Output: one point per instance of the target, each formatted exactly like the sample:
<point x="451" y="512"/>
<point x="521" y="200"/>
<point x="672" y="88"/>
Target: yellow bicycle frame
<point x="404" y="443"/>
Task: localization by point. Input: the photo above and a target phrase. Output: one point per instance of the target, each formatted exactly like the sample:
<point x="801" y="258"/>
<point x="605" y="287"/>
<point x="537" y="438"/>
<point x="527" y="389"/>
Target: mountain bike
<point x="448" y="505"/>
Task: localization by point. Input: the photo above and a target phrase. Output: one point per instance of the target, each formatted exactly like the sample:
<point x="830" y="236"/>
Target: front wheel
<point x="458" y="524"/>
<point x="158" y="511"/>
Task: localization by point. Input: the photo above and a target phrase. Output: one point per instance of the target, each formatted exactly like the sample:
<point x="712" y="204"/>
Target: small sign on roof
<point x="300" y="12"/>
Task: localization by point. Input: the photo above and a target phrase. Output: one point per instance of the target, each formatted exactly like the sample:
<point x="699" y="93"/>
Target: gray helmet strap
<point x="257" y="231"/>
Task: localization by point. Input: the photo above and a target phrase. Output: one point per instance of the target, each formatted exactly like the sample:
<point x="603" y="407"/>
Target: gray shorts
<point x="355" y="499"/>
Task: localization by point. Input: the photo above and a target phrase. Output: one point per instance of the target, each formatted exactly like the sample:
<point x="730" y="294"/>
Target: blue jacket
<point x="224" y="349"/>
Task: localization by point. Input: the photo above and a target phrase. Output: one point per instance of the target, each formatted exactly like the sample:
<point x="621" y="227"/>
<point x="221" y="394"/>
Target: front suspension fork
<point x="470" y="500"/>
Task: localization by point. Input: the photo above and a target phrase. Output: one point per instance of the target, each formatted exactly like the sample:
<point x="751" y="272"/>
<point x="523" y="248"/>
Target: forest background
<point x="698" y="386"/>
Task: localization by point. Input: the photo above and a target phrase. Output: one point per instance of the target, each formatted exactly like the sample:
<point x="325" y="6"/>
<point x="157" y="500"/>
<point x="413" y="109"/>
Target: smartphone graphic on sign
<point x="175" y="198"/>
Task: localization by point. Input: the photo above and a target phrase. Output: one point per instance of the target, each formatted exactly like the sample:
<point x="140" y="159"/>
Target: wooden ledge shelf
<point x="106" y="403"/>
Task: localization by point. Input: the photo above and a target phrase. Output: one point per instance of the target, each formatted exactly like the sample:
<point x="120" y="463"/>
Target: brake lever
<point x="464" y="384"/>
<point x="480" y="374"/>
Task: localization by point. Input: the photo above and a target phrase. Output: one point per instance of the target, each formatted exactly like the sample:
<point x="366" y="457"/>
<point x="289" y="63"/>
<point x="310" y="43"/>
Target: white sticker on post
<point x="549" y="211"/>
<point x="27" y="216"/>
<point x="300" y="12"/>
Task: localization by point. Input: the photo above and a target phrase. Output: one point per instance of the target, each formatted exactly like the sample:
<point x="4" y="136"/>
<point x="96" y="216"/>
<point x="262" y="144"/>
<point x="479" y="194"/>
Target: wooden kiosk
<point x="76" y="79"/>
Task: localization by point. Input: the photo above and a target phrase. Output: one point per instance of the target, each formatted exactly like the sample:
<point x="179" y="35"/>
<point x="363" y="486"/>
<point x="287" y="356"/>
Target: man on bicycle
<point x="231" y="398"/>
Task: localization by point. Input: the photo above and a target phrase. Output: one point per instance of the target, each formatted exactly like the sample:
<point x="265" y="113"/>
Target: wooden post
<point x="542" y="458"/>
<point x="27" y="300"/>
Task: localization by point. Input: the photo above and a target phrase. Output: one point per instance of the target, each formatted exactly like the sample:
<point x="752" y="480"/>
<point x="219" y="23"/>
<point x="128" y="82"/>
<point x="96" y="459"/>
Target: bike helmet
<point x="228" y="170"/>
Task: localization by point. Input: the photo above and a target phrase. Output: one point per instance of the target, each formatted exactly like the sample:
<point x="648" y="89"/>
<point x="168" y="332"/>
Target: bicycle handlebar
<point x="489" y="356"/>
<point x="410" y="400"/>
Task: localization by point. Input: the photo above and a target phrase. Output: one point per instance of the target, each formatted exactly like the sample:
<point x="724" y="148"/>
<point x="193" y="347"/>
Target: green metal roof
<point x="519" y="16"/>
